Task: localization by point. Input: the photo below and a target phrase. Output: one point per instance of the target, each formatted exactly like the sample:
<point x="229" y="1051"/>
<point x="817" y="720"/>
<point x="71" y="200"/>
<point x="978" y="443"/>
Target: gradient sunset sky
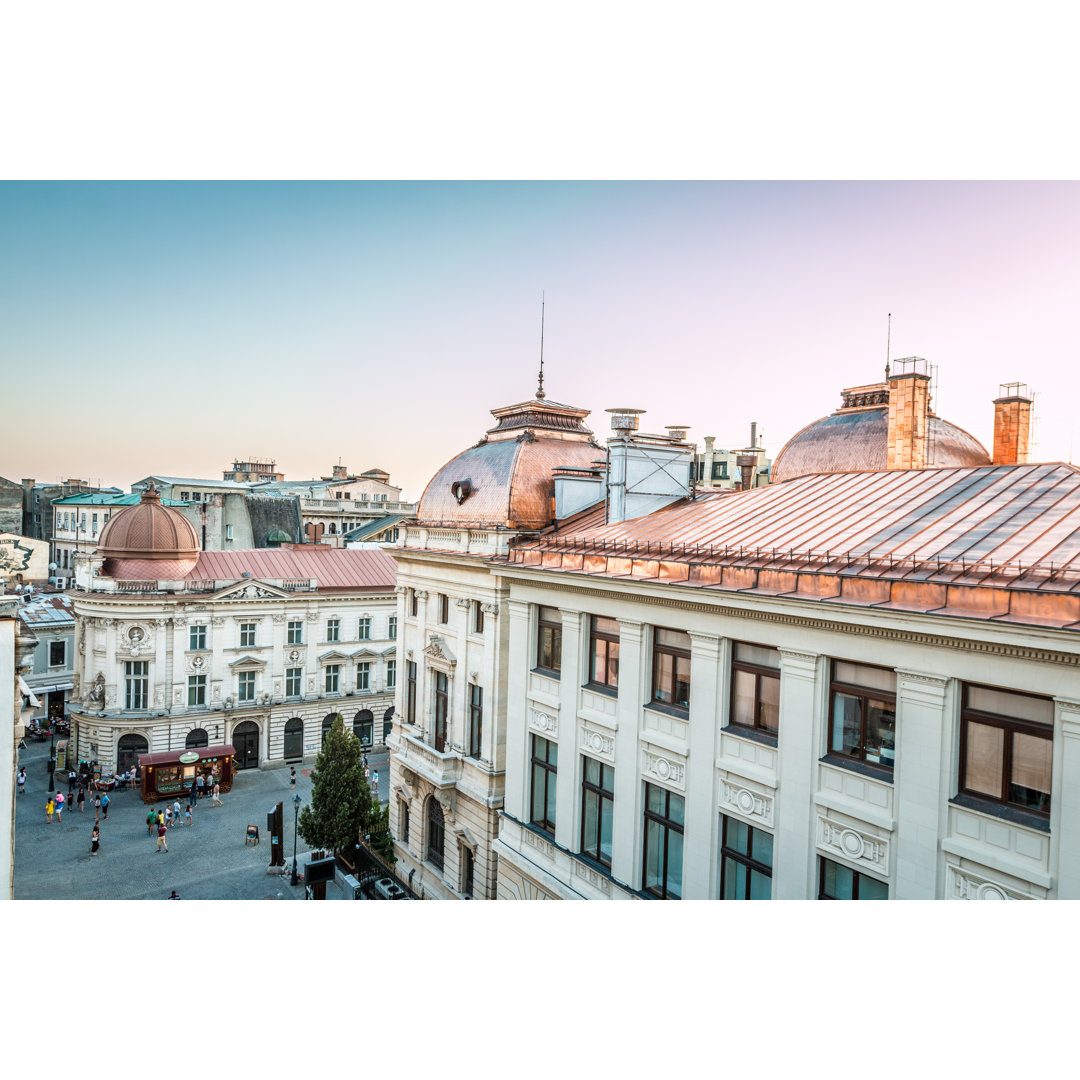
<point x="170" y="327"/>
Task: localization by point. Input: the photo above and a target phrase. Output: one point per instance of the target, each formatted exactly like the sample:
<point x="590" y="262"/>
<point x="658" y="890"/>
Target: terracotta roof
<point x="993" y="542"/>
<point x="149" y="531"/>
<point x="333" y="568"/>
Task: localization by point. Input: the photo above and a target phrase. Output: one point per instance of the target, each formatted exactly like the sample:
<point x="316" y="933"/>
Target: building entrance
<point x="245" y="741"/>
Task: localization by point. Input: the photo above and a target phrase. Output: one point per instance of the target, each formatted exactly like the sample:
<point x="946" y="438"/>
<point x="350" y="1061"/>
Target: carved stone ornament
<point x="664" y="768"/>
<point x="965" y="885"/>
<point x="421" y="594"/>
<point x="447" y="799"/>
<point x="438" y="650"/>
<point x="853" y="844"/>
<point x="597" y="742"/>
<point x="97" y="692"/>
<point x="746" y="802"/>
<point x="401" y="590"/>
<point x="136" y="641"/>
<point x="279" y="618"/>
<point x="490" y="609"/>
<point x="312" y="616"/>
<point x="544" y="722"/>
<point x="196" y="665"/>
<point x="463" y="604"/>
<point x="295" y="655"/>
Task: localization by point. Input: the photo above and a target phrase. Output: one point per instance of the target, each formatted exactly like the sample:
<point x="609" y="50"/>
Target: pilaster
<point x="625" y="843"/>
<point x="699" y="836"/>
<point x="1066" y="794"/>
<point x="568" y="781"/>
<point x="517" y="738"/>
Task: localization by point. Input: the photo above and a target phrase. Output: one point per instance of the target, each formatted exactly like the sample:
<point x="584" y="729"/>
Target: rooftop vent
<point x="623" y="421"/>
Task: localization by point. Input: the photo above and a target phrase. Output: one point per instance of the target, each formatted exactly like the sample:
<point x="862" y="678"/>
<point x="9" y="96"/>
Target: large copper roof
<point x="505" y="481"/>
<point x="856" y="440"/>
<point x="149" y="531"/>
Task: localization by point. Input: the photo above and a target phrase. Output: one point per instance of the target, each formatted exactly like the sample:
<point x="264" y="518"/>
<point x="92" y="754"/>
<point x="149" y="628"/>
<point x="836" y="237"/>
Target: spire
<point x="540" y="387"/>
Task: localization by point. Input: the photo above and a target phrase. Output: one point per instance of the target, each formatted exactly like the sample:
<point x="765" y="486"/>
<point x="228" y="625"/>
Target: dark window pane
<point x="674" y="863"/>
<point x="763" y="847"/>
<point x="1029" y="780"/>
<point x="606" y="818"/>
<point x="869" y="889"/>
<point x="846" y="723"/>
<point x="653" y="855"/>
<point x="760" y="886"/>
<point x="737" y="836"/>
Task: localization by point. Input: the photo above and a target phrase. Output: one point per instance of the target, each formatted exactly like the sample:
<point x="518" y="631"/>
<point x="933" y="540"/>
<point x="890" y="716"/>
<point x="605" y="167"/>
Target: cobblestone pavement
<point x="207" y="860"/>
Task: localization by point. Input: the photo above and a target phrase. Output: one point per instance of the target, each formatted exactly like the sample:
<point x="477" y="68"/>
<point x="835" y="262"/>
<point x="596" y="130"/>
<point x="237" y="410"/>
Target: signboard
<point x="188" y="757"/>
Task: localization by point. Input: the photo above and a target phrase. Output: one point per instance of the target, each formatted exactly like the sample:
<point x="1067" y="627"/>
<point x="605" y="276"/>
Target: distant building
<point x="38" y="499"/>
<point x="733" y="470"/>
<point x="51" y="620"/>
<point x="11" y="506"/>
<point x="253" y="471"/>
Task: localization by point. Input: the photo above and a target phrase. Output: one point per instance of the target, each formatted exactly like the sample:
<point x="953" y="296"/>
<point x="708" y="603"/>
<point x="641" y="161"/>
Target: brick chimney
<point x="1012" y="425"/>
<point x="341" y="472"/>
<point x="909" y="415"/>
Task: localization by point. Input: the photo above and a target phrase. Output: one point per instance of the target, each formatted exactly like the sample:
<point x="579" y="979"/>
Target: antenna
<point x="540" y="388"/>
<point x="888" y="346"/>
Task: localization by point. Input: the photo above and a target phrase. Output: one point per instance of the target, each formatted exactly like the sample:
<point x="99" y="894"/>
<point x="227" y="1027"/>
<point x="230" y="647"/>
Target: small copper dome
<point x="149" y="533"/>
<point x="506" y="479"/>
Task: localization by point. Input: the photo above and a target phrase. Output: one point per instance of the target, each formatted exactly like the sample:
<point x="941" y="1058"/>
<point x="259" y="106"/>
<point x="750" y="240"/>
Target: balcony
<point x="441" y="769"/>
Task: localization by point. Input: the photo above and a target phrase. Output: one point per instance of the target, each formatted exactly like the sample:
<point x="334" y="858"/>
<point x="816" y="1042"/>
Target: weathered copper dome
<point x="855" y="439"/>
<point x="149" y="540"/>
<point x="506" y="479"/>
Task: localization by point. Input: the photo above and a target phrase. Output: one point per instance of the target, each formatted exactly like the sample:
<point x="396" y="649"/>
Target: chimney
<point x="710" y="457"/>
<point x="909" y="414"/>
<point x="1012" y="425"/>
<point x="341" y="472"/>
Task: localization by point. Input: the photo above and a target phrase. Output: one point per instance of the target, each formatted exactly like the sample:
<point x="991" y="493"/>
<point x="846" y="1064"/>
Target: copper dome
<point x="506" y="479"/>
<point x="149" y="533"/>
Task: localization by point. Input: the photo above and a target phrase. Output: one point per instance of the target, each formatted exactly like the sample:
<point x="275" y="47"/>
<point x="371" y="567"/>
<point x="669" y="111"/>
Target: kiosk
<point x="170" y="773"/>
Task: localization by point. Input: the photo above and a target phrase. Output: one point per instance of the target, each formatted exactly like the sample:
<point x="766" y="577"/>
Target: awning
<point x="53" y="689"/>
<point x="28" y="693"/>
<point x="172" y="757"/>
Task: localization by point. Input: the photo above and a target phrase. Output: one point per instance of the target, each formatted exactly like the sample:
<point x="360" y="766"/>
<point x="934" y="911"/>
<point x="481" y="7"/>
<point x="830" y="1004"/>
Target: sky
<point x="181" y="325"/>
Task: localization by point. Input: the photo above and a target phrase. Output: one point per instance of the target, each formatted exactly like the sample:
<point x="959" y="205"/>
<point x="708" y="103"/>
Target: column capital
<point x="915" y="684"/>
<point x="798" y="665"/>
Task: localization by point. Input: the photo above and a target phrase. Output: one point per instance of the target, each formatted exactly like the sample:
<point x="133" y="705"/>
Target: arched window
<point x="128" y="750"/>
<point x="294" y="738"/>
<point x="327" y="724"/>
<point x="195" y="738"/>
<point x="364" y="726"/>
<point x="245" y="740"/>
<point x="387" y="723"/>
<point x="436" y="833"/>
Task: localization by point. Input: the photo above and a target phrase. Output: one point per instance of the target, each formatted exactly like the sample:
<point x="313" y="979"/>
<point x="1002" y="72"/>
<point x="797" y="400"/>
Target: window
<point x="245" y="690"/>
<point x="436" y="833"/>
<point x="228" y="532"/>
<point x="247" y="635"/>
<point x="197" y="638"/>
<point x="442" y="700"/>
<point x="363" y="632"/>
<point x="545" y="766"/>
<point x="478" y="617"/>
<point x="862" y="713"/>
<point x="184" y="495"/>
<point x="755" y="687"/>
<point x="57" y="653"/>
<point x="196" y="690"/>
<point x="467" y="863"/>
<point x="444" y="608"/>
<point x="839" y="883"/>
<point x="403" y="822"/>
<point x="94" y="524"/>
<point x="293" y="677"/>
<point x="391" y="674"/>
<point x="745" y="861"/>
<point x="414" y="603"/>
<point x="135" y="684"/>
<point x="549" y="640"/>
<point x="364" y="726"/>
<point x="1006" y="748"/>
<point x="391" y="628"/>
<point x="597" y="810"/>
<point x="671" y="668"/>
<point x="296" y="633"/>
<point x="604" y="651"/>
<point x="363" y="676"/>
<point x="662" y="874"/>
<point x="333" y="678"/>
<point x="476" y="718"/>
<point x="294" y="738"/>
<point x="333" y="629"/>
<point x="410" y="691"/>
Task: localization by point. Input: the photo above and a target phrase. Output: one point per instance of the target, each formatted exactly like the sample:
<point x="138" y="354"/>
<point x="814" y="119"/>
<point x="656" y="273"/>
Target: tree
<point x="342" y="808"/>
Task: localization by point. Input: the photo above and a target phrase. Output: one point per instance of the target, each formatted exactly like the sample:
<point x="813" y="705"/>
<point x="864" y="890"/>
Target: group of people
<point x="56" y="802"/>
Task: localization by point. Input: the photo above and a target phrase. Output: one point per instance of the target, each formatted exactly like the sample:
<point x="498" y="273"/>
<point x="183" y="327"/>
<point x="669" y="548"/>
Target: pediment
<point x="251" y="589"/>
<point x="438" y="650"/>
<point x="247" y="663"/>
<point x="333" y="657"/>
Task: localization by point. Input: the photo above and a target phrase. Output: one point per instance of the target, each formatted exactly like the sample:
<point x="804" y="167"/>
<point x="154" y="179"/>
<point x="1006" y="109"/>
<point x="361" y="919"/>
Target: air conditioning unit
<point x="352" y="888"/>
<point x="388" y="889"/>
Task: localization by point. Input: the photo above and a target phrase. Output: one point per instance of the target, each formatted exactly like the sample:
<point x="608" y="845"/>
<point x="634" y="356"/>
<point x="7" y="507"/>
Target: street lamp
<point x="52" y="753"/>
<point x="296" y="814"/>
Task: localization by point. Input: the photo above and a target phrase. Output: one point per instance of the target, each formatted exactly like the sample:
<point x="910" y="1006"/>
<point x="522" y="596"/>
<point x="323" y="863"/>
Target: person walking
<point x="151" y="821"/>
<point x="168" y="817"/>
<point x="80" y="799"/>
<point x="22" y="780"/>
<point x="71" y="781"/>
<point x="95" y="840"/>
<point x="97" y="806"/>
<point x="375" y="783"/>
<point x="161" y="845"/>
<point x="105" y="806"/>
<point x="59" y="800"/>
<point x="50" y="806"/>
<point x="187" y="816"/>
<point x="174" y="895"/>
<point x="292" y="776"/>
<point x="217" y="796"/>
<point x="193" y="796"/>
<point x="176" y="811"/>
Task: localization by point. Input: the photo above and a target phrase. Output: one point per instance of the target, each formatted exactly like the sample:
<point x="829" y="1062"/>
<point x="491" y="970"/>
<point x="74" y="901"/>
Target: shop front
<point x="168" y="774"/>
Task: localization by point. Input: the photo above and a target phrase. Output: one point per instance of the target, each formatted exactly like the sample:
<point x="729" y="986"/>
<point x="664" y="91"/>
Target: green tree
<point x="342" y="808"/>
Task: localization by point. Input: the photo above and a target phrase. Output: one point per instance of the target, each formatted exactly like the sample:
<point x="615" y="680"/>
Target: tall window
<point x="410" y="691"/>
<point x="333" y="678"/>
<point x="391" y="628"/>
<point x="245" y="689"/>
<point x="597" y="810"/>
<point x="442" y="701"/>
<point x="671" y="668"/>
<point x="57" y="653"/>
<point x="862" y="713"/>
<point x="363" y="630"/>
<point x="391" y="674"/>
<point x="197" y="638"/>
<point x="663" y="843"/>
<point x="478" y="617"/>
<point x="296" y="632"/>
<point x="403" y="822"/>
<point x="476" y="718"/>
<point x="1006" y="748"/>
<point x="837" y="882"/>
<point x="363" y="676"/>
<point x="745" y="861"/>
<point x="293" y="677"/>
<point x="228" y="532"/>
<point x="444" y="608"/>
<point x="333" y="629"/>
<point x="549" y="640"/>
<point x="247" y="635"/>
<point x="436" y="833"/>
<point x="604" y="651"/>
<point x="545" y="766"/>
<point x="364" y="726"/>
<point x="135" y="684"/>
<point x="196" y="690"/>
<point x="414" y="603"/>
<point x="755" y="687"/>
<point x="94" y="524"/>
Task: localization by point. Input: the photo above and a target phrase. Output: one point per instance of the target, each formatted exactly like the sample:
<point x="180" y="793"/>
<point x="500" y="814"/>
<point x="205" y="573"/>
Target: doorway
<point x="245" y="740"/>
<point x="294" y="739"/>
<point x="128" y="750"/>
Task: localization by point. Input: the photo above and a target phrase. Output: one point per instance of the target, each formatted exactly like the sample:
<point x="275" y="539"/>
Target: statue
<point x="97" y="691"/>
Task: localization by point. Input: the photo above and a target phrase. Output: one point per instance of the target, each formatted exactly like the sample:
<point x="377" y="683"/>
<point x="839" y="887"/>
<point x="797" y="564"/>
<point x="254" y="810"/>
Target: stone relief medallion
<point x="294" y="655"/>
<point x="987" y="891"/>
<point x="745" y="801"/>
<point x="136" y="641"/>
<point x="852" y="844"/>
<point x="542" y="721"/>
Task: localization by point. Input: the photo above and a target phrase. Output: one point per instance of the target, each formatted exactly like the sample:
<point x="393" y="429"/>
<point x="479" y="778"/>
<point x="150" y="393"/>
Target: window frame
<point x="333" y="631"/>
<point x="440" y="711"/>
<point x="391" y="674"/>
<point x="600" y="796"/>
<point x="759" y="671"/>
<point x="363" y="675"/>
<point x="363" y="628"/>
<point x="667" y="826"/>
<point x="476" y="719"/>
<point x="608" y="639"/>
<point x="410" y="691"/>
<point x="752" y="865"/>
<point x="414" y="604"/>
<point x="676" y="654"/>
<point x="444" y="609"/>
<point x="61" y="645"/>
<point x="332" y="674"/>
<point x="245" y="679"/>
<point x="294" y="632"/>
<point x="555" y="629"/>
<point x="857" y="878"/>
<point x="196" y="691"/>
<point x="863" y="694"/>
<point x="294" y="674"/>
<point x="544" y="768"/>
<point x="478" y="617"/>
<point x="197" y="637"/>
<point x="391" y="628"/>
<point x="136" y="685"/>
<point x="248" y="635"/>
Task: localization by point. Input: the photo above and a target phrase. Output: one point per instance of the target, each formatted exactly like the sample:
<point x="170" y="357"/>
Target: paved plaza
<point x="208" y="860"/>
